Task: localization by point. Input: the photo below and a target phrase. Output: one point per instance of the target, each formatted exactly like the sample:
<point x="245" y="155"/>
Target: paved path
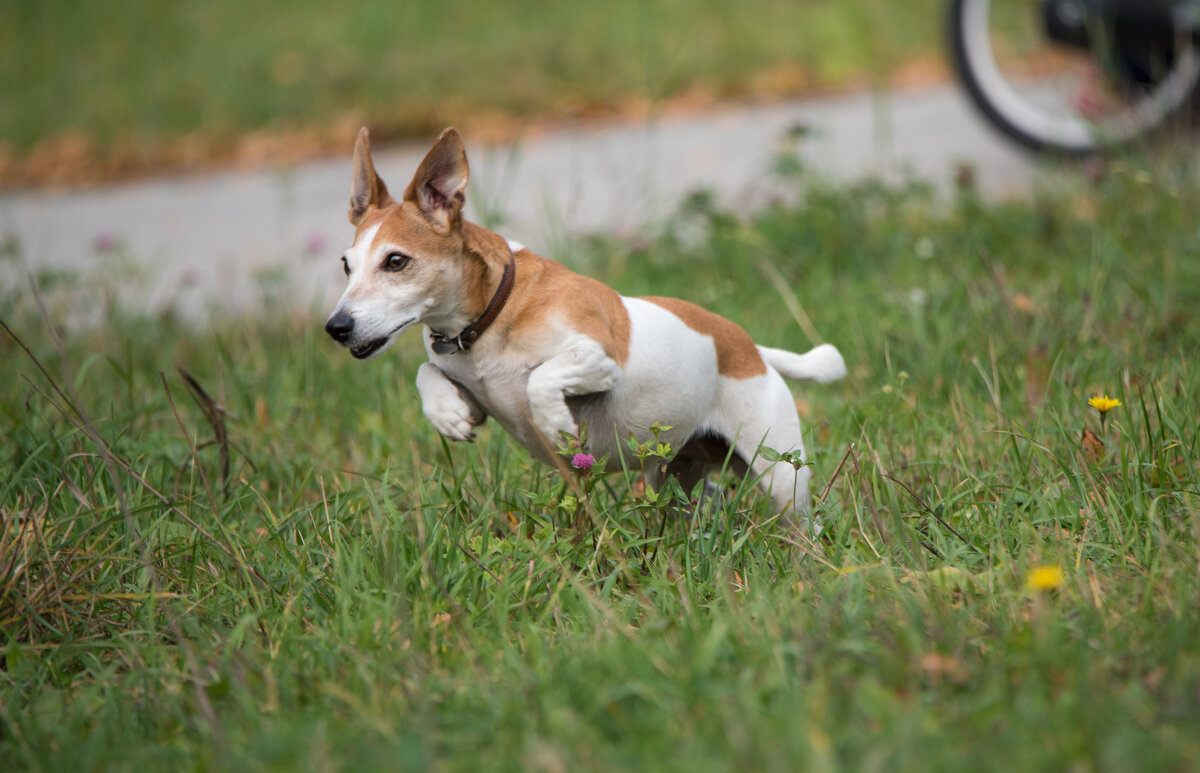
<point x="215" y="241"/>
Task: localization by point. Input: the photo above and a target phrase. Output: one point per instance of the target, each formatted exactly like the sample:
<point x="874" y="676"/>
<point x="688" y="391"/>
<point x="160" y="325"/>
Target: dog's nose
<point x="339" y="327"/>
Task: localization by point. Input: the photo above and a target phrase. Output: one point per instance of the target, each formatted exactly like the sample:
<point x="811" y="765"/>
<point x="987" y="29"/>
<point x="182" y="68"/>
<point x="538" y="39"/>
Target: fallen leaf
<point x="1093" y="446"/>
<point x="1037" y="373"/>
<point x="939" y="666"/>
<point x="1022" y="302"/>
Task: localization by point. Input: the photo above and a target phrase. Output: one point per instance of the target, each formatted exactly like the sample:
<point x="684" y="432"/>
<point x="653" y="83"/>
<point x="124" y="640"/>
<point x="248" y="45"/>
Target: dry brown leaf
<point x="939" y="667"/>
<point x="1037" y="373"/>
<point x="1093" y="446"/>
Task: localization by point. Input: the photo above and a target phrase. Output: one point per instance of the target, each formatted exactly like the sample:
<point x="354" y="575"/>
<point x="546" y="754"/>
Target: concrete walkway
<point x="221" y="240"/>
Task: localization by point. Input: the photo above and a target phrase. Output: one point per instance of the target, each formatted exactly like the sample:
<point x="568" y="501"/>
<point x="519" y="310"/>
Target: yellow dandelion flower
<point x="1104" y="405"/>
<point x="1044" y="578"/>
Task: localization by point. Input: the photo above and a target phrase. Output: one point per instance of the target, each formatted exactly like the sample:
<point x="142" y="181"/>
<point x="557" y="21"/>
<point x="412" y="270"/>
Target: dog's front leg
<point x="451" y="412"/>
<point x="583" y="369"/>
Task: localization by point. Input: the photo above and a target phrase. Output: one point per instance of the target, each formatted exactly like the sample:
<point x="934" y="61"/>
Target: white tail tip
<point x="822" y="363"/>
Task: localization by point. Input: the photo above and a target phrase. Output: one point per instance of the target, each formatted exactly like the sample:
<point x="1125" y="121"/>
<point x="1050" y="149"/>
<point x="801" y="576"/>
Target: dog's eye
<point x="396" y="261"/>
<point x="345" y="265"/>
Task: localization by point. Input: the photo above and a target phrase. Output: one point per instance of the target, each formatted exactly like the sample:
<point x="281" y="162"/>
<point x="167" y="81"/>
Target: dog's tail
<point x="822" y="363"/>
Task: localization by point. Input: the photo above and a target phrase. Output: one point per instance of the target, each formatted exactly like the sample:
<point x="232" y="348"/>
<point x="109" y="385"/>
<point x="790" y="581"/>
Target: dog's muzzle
<point x="340" y="328"/>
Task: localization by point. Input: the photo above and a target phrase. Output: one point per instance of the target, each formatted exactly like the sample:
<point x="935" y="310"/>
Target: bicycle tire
<point x="1004" y="108"/>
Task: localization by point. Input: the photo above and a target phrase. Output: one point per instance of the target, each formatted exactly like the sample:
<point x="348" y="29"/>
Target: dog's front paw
<point x="444" y="406"/>
<point x="451" y="418"/>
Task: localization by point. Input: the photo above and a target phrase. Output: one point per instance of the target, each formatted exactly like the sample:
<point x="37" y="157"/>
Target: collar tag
<point x="446" y="345"/>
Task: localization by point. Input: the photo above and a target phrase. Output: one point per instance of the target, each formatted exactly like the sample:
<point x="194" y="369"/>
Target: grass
<point x="172" y="81"/>
<point x="356" y="594"/>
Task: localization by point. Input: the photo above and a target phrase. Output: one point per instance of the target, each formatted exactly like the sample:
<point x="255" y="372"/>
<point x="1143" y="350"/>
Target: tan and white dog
<point x="539" y="348"/>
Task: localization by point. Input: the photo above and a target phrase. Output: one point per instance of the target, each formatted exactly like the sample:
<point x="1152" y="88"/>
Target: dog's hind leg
<point x="761" y="413"/>
<point x="702" y="454"/>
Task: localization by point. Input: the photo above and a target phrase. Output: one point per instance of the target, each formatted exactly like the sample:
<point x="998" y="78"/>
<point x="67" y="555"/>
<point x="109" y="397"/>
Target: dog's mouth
<point x="375" y="345"/>
<point x="363" y="351"/>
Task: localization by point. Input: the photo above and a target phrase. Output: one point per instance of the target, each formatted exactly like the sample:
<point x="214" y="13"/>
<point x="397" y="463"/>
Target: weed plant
<point x="235" y="548"/>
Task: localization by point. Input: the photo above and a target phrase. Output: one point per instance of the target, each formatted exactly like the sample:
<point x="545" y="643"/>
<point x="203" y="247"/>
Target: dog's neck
<point x="487" y="255"/>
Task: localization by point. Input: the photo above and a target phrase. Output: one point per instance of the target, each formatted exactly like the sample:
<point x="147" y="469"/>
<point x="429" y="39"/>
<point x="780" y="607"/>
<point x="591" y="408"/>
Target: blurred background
<point x="199" y="152"/>
<point x="95" y="91"/>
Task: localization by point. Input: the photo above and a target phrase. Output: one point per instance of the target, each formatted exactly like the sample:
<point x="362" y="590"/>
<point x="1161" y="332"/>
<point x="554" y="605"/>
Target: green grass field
<point x="144" y="79"/>
<point x="988" y="593"/>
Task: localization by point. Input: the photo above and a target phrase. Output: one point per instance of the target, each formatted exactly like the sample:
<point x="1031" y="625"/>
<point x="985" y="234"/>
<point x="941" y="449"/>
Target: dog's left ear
<point x="367" y="189"/>
<point x="439" y="187"/>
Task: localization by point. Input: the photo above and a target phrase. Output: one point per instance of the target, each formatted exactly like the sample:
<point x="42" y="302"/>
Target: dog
<point x="542" y="349"/>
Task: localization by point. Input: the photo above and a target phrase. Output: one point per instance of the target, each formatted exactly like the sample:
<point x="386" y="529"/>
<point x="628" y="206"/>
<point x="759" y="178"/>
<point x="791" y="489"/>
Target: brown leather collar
<point x="470" y="334"/>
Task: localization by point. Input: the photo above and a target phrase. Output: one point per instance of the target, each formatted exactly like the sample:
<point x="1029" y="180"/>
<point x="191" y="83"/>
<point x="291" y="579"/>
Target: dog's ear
<point x="367" y="189"/>
<point x="439" y="187"/>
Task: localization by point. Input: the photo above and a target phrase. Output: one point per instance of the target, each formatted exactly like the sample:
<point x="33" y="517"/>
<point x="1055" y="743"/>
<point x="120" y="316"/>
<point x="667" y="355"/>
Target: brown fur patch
<point x="547" y="289"/>
<point x="737" y="356"/>
<point x="483" y="278"/>
<point x="403" y="225"/>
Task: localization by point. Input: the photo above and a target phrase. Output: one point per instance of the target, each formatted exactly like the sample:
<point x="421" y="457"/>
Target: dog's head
<point x="407" y="261"/>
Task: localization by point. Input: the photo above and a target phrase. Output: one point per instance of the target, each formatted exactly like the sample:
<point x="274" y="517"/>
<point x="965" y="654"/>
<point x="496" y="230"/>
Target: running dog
<point x="542" y="349"/>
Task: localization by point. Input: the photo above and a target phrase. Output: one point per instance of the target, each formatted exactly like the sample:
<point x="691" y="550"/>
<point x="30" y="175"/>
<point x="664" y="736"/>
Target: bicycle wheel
<point x="1056" y="98"/>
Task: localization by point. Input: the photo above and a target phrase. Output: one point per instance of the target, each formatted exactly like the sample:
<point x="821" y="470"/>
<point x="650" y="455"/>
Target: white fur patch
<point x="671" y="374"/>
<point x="822" y="363"/>
<point x="357" y="254"/>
